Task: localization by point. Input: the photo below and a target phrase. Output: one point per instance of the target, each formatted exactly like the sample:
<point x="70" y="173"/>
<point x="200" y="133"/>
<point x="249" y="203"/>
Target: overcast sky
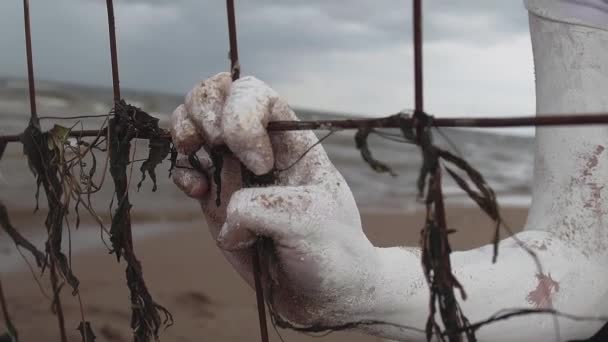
<point x="351" y="56"/>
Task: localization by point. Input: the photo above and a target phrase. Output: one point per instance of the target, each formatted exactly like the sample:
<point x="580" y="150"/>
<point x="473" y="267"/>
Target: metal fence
<point x="119" y="129"/>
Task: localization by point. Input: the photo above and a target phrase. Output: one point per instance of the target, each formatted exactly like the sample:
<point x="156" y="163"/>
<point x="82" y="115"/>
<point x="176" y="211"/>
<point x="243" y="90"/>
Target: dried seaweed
<point x="217" y="159"/>
<point x="158" y="150"/>
<point x="45" y="161"/>
<point x="172" y="159"/>
<point x="484" y="195"/>
<point x="127" y="123"/>
<point x="18" y="239"/>
<point x="366" y="154"/>
<point x="435" y="244"/>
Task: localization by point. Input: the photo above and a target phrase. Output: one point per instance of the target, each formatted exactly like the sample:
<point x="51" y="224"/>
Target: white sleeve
<point x="592" y="13"/>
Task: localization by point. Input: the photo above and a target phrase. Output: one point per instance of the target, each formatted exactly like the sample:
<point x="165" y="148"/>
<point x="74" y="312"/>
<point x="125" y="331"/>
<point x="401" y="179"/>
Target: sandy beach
<point x="186" y="273"/>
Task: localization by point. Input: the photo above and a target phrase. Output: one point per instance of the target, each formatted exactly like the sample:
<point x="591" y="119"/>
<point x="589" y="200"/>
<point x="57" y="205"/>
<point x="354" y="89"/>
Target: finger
<point x="244" y="121"/>
<point x="283" y="214"/>
<point x="302" y="147"/>
<point x="192" y="182"/>
<point x="186" y="137"/>
<point x="204" y="104"/>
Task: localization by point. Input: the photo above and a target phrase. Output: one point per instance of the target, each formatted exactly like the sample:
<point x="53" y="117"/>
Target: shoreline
<point x="186" y="272"/>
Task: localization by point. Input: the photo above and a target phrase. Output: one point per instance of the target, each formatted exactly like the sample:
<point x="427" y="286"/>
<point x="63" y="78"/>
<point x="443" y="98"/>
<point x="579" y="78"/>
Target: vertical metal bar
<point x="259" y="294"/>
<point x="117" y="97"/>
<point x="235" y="68"/>
<point x="34" y="120"/>
<point x="113" y="53"/>
<point x="418" y="81"/>
<point x="235" y="71"/>
<point x="30" y="64"/>
<point x="448" y="309"/>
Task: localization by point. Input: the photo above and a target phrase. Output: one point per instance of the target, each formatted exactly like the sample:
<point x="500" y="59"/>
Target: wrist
<point x="393" y="290"/>
<point x="395" y="286"/>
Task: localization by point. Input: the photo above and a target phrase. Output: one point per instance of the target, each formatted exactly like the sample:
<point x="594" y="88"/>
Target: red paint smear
<point x="540" y="297"/>
<point x="593" y="160"/>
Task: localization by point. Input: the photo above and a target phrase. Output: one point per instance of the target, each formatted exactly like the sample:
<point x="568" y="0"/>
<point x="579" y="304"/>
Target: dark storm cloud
<point x="169" y="45"/>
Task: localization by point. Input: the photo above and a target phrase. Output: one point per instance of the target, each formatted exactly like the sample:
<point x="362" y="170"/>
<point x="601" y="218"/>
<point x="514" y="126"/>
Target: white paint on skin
<point x="327" y="272"/>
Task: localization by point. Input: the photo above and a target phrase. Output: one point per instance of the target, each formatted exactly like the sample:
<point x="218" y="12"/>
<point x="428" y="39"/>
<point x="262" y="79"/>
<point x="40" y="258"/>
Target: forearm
<point x="399" y="307"/>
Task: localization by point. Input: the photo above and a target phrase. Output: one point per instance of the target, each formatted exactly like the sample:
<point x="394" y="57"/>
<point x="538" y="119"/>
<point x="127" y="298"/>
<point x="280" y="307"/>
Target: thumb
<point x="190" y="180"/>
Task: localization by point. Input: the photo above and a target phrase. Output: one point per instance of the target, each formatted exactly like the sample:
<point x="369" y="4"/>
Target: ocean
<point x="505" y="158"/>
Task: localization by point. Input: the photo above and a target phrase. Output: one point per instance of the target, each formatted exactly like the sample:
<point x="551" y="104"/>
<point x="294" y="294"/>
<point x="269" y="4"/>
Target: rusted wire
<point x="247" y="175"/>
<point x="398" y="121"/>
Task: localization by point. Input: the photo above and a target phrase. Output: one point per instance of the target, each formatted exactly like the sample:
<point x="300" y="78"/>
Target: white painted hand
<point x="322" y="255"/>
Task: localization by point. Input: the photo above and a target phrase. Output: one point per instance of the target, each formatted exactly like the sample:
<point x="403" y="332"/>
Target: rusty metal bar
<point x="399" y="121"/>
<point x="418" y="80"/>
<point x="30" y="63"/>
<point x="34" y="120"/>
<point x="441" y="286"/>
<point x="113" y="50"/>
<point x="235" y="67"/>
<point x="235" y="71"/>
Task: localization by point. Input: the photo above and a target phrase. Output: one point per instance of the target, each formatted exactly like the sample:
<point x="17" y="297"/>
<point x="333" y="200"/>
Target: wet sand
<point x="186" y="273"/>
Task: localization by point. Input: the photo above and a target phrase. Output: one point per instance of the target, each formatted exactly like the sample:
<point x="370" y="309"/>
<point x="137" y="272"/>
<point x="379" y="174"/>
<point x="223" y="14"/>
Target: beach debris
<point x="483" y="195"/>
<point x="362" y="145"/>
<point x="158" y="150"/>
<point x="18" y="239"/>
<point x="434" y="242"/>
<point x="127" y="123"/>
<point x="44" y="152"/>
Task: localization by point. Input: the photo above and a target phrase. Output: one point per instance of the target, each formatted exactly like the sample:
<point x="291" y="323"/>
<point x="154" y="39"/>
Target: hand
<point x="321" y="257"/>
